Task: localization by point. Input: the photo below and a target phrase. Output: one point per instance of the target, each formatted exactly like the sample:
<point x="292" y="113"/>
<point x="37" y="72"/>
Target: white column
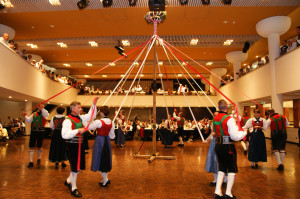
<point x="28" y="106"/>
<point x="272" y="28"/>
<point x="236" y="58"/>
<point x="215" y="80"/>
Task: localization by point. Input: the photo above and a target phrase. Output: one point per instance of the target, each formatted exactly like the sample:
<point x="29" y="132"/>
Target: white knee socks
<point x="31" y="154"/>
<point x="282" y="155"/>
<point x="277" y="156"/>
<point x="104" y="176"/>
<point x="180" y="140"/>
<point x="73" y="180"/>
<point x="219" y="183"/>
<point x="243" y="145"/>
<point x="40" y="153"/>
<point x="230" y="182"/>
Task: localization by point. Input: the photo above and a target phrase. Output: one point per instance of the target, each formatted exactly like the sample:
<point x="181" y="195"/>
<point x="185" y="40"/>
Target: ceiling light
<point x="83" y="4"/>
<point x="86" y="75"/>
<point x="160" y="75"/>
<point x="198" y="75"/>
<point x="89" y="64"/>
<point x="9" y="97"/>
<point x="32" y="45"/>
<point x="62" y="44"/>
<point x="125" y="43"/>
<point x="104" y="75"/>
<point x="51" y="26"/>
<point x="93" y="43"/>
<point x="106" y="3"/>
<point x="32" y="27"/>
<point x="256" y="56"/>
<point x="61" y="104"/>
<point x="205" y="2"/>
<point x="160" y="63"/>
<point x="228" y="42"/>
<point x="141" y="75"/>
<point x="245" y="64"/>
<point x="48" y="102"/>
<point x="209" y="63"/>
<point x="132" y="2"/>
<point x="183" y="2"/>
<point x="226" y="2"/>
<point x="122" y="75"/>
<point x="233" y="22"/>
<point x="194" y="42"/>
<point x="179" y="75"/>
<point x="136" y="63"/>
<point x="112" y="64"/>
<point x="184" y="63"/>
<point x="25" y="100"/>
<point x="5" y="3"/>
<point x="225" y="22"/>
<point x="55" y="2"/>
<point x="67" y="65"/>
<point x="246" y="47"/>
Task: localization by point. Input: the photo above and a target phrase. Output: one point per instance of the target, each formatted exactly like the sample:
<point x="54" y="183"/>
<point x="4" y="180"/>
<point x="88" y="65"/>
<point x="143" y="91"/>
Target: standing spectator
<point x="260" y="62"/>
<point x="284" y="47"/>
<point x="267" y="60"/>
<point x="292" y="44"/>
<point x="4" y="39"/>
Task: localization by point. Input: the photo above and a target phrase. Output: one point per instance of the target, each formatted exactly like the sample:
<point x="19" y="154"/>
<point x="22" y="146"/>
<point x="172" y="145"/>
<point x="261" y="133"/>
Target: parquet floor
<point x="132" y="177"/>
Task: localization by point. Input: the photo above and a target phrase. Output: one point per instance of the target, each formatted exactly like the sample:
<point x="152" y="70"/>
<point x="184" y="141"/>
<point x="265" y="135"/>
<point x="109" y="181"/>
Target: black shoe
<point x="76" y="193"/>
<point x="56" y="165"/>
<point x="252" y="167"/>
<point x="280" y="167"/>
<point x="38" y="162"/>
<point x="216" y="196"/>
<point x="63" y="165"/>
<point x="228" y="197"/>
<point x="104" y="185"/>
<point x="68" y="185"/>
<point x="245" y="152"/>
<point x="224" y="184"/>
<point x="30" y="164"/>
<point x="212" y="184"/>
<point x="256" y="166"/>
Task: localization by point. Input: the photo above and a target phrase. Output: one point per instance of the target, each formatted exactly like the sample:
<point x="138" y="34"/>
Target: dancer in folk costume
<point x="278" y="123"/>
<point x="180" y="122"/>
<point x="227" y="132"/>
<point x="101" y="160"/>
<point x="38" y="121"/>
<point x="120" y="138"/>
<point x="257" y="147"/>
<point x="72" y="132"/>
<point x="57" y="151"/>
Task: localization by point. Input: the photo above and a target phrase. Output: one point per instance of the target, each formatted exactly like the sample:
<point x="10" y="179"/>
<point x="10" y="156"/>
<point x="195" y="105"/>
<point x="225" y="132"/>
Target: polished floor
<point x="131" y="177"/>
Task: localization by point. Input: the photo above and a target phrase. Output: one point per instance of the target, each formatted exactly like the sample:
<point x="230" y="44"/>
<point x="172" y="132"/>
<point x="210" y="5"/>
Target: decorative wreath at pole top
<point x="155" y="16"/>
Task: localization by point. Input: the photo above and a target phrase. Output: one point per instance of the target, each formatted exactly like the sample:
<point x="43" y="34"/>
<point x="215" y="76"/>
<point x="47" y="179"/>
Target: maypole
<point x="154" y="17"/>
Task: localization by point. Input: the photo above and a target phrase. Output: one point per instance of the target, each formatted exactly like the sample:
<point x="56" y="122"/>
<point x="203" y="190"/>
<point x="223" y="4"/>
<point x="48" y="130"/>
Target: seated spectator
<point x="181" y="89"/>
<point x="139" y="88"/>
<point x="186" y="89"/>
<point x="29" y="59"/>
<point x="11" y="44"/>
<point x="283" y="47"/>
<point x="3" y="134"/>
<point x="260" y="62"/>
<point x="16" y="49"/>
<point x="267" y="60"/>
<point x="4" y="39"/>
<point x="292" y="44"/>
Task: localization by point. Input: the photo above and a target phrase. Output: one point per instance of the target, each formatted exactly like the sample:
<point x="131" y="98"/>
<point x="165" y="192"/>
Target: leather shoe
<point x="56" y="165"/>
<point x="280" y="167"/>
<point x="30" y="164"/>
<point x="63" y="165"/>
<point x="228" y="197"/>
<point x="104" y="185"/>
<point x="76" y="193"/>
<point x="38" y="162"/>
<point x="68" y="185"/>
<point x="245" y="152"/>
<point x="216" y="196"/>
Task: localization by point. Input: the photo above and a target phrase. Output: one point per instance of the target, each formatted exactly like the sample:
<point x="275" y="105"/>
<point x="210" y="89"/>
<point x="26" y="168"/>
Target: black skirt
<point x="57" y="148"/>
<point x="257" y="147"/>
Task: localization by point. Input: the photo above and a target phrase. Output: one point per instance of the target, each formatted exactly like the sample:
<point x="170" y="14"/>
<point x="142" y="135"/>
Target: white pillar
<point x="28" y="106"/>
<point x="236" y="58"/>
<point x="215" y="80"/>
<point x="272" y="28"/>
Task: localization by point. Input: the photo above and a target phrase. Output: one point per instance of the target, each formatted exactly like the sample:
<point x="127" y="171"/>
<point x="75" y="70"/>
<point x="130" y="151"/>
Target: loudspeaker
<point x="246" y="47"/>
<point x="157" y="5"/>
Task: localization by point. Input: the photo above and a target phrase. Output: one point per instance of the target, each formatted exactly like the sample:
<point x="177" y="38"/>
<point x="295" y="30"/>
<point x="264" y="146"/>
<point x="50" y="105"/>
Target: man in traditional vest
<point x="180" y="123"/>
<point x="37" y="120"/>
<point x="72" y="132"/>
<point x="278" y="123"/>
<point x="226" y="132"/>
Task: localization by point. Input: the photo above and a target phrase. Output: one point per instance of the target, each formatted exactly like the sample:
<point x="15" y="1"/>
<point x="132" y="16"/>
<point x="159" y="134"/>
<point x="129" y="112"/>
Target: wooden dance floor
<point x="131" y="177"/>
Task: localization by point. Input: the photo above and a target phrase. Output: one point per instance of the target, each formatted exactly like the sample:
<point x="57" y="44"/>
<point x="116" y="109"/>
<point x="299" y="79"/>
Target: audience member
<point x="292" y="44"/>
<point x="284" y="47"/>
<point x="260" y="62"/>
<point x="4" y="39"/>
<point x="267" y="60"/>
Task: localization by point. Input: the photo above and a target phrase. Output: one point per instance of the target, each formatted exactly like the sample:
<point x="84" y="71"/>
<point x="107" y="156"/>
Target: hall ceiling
<point x="40" y="23"/>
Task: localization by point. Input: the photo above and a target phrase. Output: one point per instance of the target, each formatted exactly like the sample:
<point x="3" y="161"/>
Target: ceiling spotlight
<point x="205" y="2"/>
<point x="83" y="4"/>
<point x="107" y="3"/>
<point x="194" y="42"/>
<point x="226" y="2"/>
<point x="55" y="2"/>
<point x="132" y="2"/>
<point x="93" y="43"/>
<point x="112" y="64"/>
<point x="2" y="5"/>
<point x="183" y="2"/>
<point x="89" y="64"/>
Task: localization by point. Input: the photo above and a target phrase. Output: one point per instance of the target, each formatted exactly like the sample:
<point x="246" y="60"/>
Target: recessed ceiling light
<point x="122" y="75"/>
<point x="51" y="26"/>
<point x="7" y="3"/>
<point x="61" y="104"/>
<point x="198" y="75"/>
<point x="209" y="63"/>
<point x="142" y="75"/>
<point x="160" y="63"/>
<point x="194" y="42"/>
<point x="32" y="27"/>
<point x="112" y="64"/>
<point x="245" y="64"/>
<point x="55" y="2"/>
<point x="256" y="56"/>
<point x="125" y="43"/>
<point x="234" y="22"/>
<point x="67" y="65"/>
<point x="32" y="45"/>
<point x="160" y="75"/>
<point x="227" y="42"/>
<point x="86" y="75"/>
<point x="179" y="75"/>
<point x="136" y="63"/>
<point x="104" y="75"/>
<point x="89" y="64"/>
<point x="62" y="44"/>
<point x="48" y="102"/>
<point x="184" y="63"/>
<point x="9" y="97"/>
<point x="25" y="100"/>
<point x="93" y="43"/>
<point x="225" y="22"/>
